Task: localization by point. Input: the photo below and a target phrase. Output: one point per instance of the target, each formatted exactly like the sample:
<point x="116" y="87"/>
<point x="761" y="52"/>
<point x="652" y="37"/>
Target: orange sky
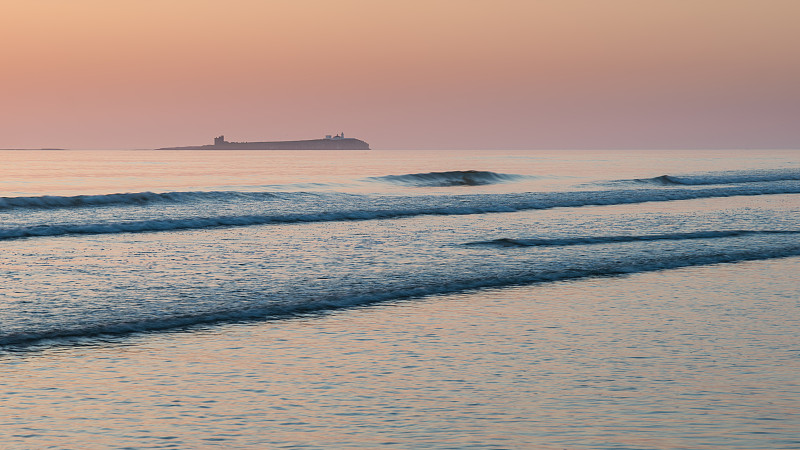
<point x="402" y="74"/>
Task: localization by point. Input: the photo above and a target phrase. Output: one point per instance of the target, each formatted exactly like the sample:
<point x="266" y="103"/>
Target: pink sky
<point x="402" y="74"/>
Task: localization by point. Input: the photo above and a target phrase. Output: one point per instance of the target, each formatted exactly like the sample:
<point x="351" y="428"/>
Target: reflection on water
<point x="163" y="299"/>
<point x="702" y="357"/>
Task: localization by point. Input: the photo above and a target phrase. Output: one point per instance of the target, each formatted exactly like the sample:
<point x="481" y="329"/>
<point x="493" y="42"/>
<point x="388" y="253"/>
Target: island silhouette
<point x="337" y="142"/>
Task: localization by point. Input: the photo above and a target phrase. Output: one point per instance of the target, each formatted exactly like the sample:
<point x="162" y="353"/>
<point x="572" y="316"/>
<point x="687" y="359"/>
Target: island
<point x="337" y="142"/>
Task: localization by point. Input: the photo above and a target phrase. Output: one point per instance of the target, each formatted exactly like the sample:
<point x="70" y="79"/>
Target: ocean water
<point x="408" y="299"/>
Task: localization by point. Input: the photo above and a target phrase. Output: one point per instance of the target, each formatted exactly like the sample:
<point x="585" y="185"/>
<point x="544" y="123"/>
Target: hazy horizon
<point x="619" y="74"/>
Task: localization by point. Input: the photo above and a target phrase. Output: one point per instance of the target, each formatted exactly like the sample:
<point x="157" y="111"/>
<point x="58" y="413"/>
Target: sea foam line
<point x="440" y="179"/>
<point x="369" y="208"/>
<point x="285" y="310"/>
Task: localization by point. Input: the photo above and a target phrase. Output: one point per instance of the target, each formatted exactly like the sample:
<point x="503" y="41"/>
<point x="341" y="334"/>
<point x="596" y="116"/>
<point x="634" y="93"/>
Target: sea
<point x="476" y="299"/>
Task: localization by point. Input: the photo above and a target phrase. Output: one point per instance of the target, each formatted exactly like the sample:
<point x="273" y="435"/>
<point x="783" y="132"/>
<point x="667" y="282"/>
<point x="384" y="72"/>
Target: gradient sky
<point x="451" y="74"/>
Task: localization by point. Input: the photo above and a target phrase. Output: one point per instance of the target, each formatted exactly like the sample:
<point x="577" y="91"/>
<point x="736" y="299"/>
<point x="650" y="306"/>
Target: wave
<point x="450" y="178"/>
<point x="431" y="179"/>
<point x="371" y="208"/>
<point x="765" y="176"/>
<point x="589" y="240"/>
<point x="613" y="267"/>
<point x="54" y="201"/>
<point x="131" y="198"/>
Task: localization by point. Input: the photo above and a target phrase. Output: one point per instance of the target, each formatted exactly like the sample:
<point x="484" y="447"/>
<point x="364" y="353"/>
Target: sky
<point x="410" y="74"/>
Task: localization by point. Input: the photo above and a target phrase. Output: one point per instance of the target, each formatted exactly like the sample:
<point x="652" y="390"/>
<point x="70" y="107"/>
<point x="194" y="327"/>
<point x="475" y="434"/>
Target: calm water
<point x="409" y="299"/>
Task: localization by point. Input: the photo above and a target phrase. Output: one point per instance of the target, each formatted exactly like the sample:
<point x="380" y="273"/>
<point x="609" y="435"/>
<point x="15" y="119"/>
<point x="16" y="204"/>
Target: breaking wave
<point x="431" y="179"/>
<point x="723" y="178"/>
<point x="370" y="208"/>
<point x="589" y="240"/>
<point x="132" y="198"/>
<point x="55" y="201"/>
<point x="450" y="178"/>
<point x="278" y="310"/>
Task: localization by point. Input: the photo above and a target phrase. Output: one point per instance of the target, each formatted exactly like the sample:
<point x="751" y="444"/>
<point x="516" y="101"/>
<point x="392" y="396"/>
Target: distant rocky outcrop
<point x="338" y="142"/>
